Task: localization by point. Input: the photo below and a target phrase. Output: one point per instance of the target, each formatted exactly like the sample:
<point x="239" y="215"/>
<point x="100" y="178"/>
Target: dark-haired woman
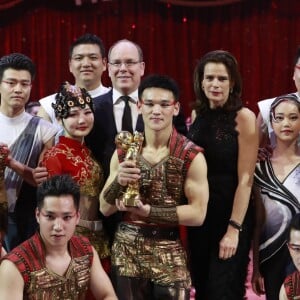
<point x="74" y="110"/>
<point x="277" y="198"/>
<point x="227" y="132"/>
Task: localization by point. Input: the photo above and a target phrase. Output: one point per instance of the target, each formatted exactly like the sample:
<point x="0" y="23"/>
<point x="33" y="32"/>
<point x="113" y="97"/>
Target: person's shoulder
<point x="23" y="251"/>
<point x="47" y="125"/>
<point x="245" y="115"/>
<point x="246" y="122"/>
<point x="182" y="145"/>
<point x="48" y="99"/>
<point x="81" y="242"/>
<point x="10" y="270"/>
<point x="103" y="97"/>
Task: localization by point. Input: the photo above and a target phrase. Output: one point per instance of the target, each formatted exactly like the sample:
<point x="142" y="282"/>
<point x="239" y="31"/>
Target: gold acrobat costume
<point x="154" y="251"/>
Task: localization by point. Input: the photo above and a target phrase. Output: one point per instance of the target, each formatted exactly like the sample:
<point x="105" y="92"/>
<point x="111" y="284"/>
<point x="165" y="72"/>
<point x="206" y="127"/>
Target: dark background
<point x="262" y="34"/>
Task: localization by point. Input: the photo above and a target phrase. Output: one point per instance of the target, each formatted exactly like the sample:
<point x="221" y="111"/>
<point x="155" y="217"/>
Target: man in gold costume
<point x="53" y="263"/>
<point x="148" y="259"/>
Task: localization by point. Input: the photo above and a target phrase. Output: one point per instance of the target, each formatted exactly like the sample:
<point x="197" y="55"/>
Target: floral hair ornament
<point x="70" y="96"/>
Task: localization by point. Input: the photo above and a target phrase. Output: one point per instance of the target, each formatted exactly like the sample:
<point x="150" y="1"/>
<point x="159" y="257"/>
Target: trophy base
<point x="130" y="203"/>
<point x="130" y="199"/>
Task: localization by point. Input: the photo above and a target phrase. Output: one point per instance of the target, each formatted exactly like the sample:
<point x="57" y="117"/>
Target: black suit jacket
<point x="101" y="139"/>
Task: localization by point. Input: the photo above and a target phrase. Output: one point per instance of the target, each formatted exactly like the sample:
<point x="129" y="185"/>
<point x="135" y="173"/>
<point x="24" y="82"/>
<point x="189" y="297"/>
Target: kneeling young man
<point x="148" y="259"/>
<point x="290" y="289"/>
<point x="53" y="263"/>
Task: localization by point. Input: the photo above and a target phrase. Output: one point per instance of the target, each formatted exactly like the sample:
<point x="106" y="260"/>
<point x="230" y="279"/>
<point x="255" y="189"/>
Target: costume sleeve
<point x="53" y="164"/>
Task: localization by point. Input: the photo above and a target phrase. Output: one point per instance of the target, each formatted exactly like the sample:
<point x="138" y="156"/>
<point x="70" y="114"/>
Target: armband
<point x="236" y="225"/>
<point x="113" y="192"/>
<point x="164" y="215"/>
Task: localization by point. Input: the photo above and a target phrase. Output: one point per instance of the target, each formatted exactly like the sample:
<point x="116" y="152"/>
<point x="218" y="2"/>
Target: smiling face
<point x="216" y="84"/>
<point x="158" y="107"/>
<point x="87" y="66"/>
<point x="286" y="121"/>
<point x="79" y="122"/>
<point x="15" y="89"/>
<point x="57" y="218"/>
<point x="125" y="67"/>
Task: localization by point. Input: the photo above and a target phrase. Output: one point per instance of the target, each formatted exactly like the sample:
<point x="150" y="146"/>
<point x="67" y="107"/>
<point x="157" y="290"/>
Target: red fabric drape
<point x="5" y="4"/>
<point x="262" y="34"/>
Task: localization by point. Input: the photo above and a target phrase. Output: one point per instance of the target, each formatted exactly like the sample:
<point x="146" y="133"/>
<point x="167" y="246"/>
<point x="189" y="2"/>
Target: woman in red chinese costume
<point x="74" y="110"/>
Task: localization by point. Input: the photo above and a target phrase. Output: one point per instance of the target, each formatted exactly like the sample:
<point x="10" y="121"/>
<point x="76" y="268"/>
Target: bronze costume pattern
<point x="41" y="283"/>
<point x="157" y="256"/>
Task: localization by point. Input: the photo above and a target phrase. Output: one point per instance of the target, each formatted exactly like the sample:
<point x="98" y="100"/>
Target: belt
<point x="149" y="231"/>
<point x="91" y="225"/>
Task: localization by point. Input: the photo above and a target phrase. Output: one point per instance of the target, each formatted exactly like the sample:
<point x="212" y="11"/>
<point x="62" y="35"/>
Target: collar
<point x="116" y="96"/>
<point x="98" y="91"/>
<point x="71" y="142"/>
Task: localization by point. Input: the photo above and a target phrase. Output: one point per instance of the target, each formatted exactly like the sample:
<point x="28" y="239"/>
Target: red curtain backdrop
<point x="262" y="34"/>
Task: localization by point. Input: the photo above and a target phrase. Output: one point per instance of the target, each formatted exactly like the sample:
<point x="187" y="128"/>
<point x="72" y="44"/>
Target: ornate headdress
<point x="70" y="96"/>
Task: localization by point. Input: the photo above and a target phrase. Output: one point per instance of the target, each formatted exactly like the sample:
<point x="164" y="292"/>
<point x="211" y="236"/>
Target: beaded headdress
<point x="70" y="96"/>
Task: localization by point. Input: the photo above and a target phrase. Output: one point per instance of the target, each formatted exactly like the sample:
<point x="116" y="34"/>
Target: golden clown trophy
<point x="132" y="145"/>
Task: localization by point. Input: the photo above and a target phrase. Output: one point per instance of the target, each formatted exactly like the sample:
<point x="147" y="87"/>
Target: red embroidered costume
<point x="292" y="286"/>
<point x="41" y="283"/>
<point x="74" y="158"/>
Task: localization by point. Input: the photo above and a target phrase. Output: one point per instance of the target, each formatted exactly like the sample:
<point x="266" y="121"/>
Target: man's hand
<point x="141" y="210"/>
<point x="128" y="173"/>
<point x="40" y="174"/>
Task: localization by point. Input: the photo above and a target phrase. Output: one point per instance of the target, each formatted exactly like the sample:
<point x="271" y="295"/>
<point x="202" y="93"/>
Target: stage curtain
<point x="263" y="35"/>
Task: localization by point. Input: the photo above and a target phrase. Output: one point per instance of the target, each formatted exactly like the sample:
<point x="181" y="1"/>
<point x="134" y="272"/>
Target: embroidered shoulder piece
<point x="184" y="149"/>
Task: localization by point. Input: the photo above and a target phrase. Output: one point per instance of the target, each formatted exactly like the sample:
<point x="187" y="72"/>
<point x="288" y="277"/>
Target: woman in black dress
<point x="227" y="131"/>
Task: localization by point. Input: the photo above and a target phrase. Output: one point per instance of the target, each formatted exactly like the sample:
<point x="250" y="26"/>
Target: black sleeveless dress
<point x="213" y="278"/>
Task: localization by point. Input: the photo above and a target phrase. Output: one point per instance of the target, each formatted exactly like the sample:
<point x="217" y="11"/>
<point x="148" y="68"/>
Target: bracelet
<point x="163" y="215"/>
<point x="236" y="225"/>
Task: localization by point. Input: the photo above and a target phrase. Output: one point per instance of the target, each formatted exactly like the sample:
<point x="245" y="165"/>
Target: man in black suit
<point x="126" y="68"/>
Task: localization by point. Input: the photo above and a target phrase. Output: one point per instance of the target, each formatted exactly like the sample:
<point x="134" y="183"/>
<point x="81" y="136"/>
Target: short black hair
<point x="85" y="39"/>
<point x="56" y="186"/>
<point x="294" y="225"/>
<point x="17" y="61"/>
<point x="159" y="81"/>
